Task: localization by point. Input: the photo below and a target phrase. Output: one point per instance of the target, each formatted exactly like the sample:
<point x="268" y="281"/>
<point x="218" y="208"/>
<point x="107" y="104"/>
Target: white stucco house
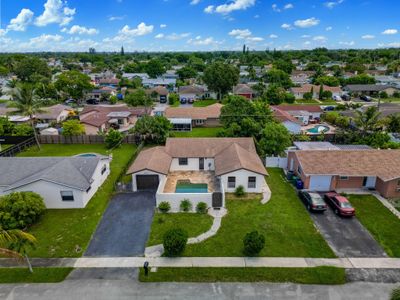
<point x="63" y="182"/>
<point x="199" y="169"/>
<point x="292" y="124"/>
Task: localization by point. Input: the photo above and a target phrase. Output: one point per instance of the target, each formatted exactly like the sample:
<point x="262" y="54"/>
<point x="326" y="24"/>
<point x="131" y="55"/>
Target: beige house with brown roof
<point x="198" y="169"/>
<point x="327" y="170"/>
<point x="299" y="92"/>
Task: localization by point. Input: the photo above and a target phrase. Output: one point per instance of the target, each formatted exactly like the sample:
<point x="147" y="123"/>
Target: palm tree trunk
<point x="29" y="263"/>
<point x="34" y="132"/>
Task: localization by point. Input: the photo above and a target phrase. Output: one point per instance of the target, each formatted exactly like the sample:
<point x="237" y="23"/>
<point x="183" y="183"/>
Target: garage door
<point x="320" y="183"/>
<point x="147" y="182"/>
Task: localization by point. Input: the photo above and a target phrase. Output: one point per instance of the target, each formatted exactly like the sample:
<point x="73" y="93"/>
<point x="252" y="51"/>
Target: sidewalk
<point x="210" y="262"/>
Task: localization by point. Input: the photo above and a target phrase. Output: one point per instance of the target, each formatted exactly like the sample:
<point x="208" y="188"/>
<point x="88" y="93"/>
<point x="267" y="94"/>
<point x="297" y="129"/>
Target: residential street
<point x="126" y="289"/>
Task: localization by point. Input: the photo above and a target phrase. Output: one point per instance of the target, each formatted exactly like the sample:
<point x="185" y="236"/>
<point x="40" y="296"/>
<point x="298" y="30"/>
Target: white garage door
<point x="320" y="183"/>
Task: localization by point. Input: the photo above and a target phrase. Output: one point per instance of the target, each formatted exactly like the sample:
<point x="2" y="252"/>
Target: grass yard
<point x="379" y="221"/>
<point x="66" y="232"/>
<point x="305" y="101"/>
<point x="176" y="104"/>
<point x="22" y="275"/>
<point x="285" y="223"/>
<point x="203" y="103"/>
<point x="391" y="100"/>
<point x="317" y="275"/>
<point x="198" y="132"/>
<point x="194" y="224"/>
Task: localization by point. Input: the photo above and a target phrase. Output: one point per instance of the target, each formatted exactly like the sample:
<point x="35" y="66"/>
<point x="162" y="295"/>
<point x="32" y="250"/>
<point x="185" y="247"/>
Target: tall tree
<point x="73" y="83"/>
<point x="367" y="121"/>
<point x="275" y="139"/>
<point x="155" y="68"/>
<point x="32" y="69"/>
<point x="221" y="77"/>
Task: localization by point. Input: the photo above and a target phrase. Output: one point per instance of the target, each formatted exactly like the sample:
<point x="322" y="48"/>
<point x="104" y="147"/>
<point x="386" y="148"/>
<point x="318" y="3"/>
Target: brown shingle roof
<point x="306" y="88"/>
<point x="309" y="108"/>
<point x="191" y="89"/>
<point x="97" y="115"/>
<point x="197" y="113"/>
<point x="160" y="90"/>
<point x="52" y="112"/>
<point x="283" y="116"/>
<point x="242" y="89"/>
<point x="384" y="164"/>
<point x="153" y="159"/>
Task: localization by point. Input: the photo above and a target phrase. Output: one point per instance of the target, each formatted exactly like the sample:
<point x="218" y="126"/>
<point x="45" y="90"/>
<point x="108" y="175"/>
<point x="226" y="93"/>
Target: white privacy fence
<point x="276" y="162"/>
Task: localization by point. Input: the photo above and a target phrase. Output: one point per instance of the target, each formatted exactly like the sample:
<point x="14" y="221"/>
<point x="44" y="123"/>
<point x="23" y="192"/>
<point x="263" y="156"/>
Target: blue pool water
<point x="88" y="155"/>
<point x="191" y="188"/>
<point x="318" y="129"/>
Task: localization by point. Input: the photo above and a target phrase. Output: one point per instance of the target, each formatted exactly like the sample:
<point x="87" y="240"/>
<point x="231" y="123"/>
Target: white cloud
<point x="141" y="29"/>
<point x="175" y="37"/>
<point x="390" y="31"/>
<point x="21" y="21"/>
<point x="240" y="33"/>
<point x="275" y="7"/>
<point x="254" y="39"/>
<point x="194" y="2"/>
<point x="332" y="4"/>
<point x="305" y="36"/>
<point x="368" y="37"/>
<point x="329" y="28"/>
<point x="390" y="45"/>
<point x="351" y="43"/>
<point x="198" y="41"/>
<point x="45" y="38"/>
<point x="319" y="38"/>
<point x="288" y="6"/>
<point x="116" y="18"/>
<point x="273" y="36"/>
<point x="307" y="23"/>
<point x="76" y="29"/>
<point x="286" y="26"/>
<point x="3" y="32"/>
<point x="230" y="7"/>
<point x="256" y="16"/>
<point x="55" y="11"/>
<point x="163" y="25"/>
<point x="159" y="36"/>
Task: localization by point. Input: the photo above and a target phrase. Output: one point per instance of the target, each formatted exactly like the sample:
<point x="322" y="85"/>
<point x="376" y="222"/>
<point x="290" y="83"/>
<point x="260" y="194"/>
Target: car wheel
<point x="308" y="208"/>
<point x="336" y="211"/>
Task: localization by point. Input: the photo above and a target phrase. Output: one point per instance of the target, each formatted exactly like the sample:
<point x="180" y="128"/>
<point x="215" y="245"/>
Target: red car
<point x="340" y="205"/>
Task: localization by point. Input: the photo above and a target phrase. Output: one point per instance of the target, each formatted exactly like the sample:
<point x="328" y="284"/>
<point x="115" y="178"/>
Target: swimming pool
<point x="87" y="155"/>
<point x="187" y="187"/>
<point x="318" y="129"/>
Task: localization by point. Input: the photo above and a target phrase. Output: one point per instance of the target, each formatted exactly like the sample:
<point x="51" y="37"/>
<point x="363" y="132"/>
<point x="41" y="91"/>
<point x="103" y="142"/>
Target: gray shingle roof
<point x="75" y="172"/>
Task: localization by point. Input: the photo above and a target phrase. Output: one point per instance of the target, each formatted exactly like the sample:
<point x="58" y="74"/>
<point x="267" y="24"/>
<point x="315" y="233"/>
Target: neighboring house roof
<point x="230" y="154"/>
<point x="306" y="88"/>
<point x="367" y="87"/>
<point x="53" y="112"/>
<point x="300" y="107"/>
<point x="191" y="89"/>
<point x="315" y="146"/>
<point x="243" y="89"/>
<point x="160" y="90"/>
<point x="97" y="115"/>
<point x="284" y="116"/>
<point x="109" y="81"/>
<point x="196" y="113"/>
<point x="75" y="172"/>
<point x="384" y="164"/>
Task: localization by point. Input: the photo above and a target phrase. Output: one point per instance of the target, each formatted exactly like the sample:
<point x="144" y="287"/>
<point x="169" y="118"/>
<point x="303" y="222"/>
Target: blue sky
<point x="184" y="25"/>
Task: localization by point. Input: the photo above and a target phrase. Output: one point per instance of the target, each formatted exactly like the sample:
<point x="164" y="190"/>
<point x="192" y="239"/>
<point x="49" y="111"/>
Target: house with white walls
<point x="199" y="169"/>
<point x="63" y="182"/>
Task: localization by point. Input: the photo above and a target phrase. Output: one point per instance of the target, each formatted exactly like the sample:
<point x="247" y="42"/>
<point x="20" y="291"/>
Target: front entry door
<point x="201" y="163"/>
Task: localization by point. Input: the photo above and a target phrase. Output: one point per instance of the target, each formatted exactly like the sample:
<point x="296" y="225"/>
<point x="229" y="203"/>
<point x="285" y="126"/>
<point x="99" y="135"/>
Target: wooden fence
<point x="81" y="139"/>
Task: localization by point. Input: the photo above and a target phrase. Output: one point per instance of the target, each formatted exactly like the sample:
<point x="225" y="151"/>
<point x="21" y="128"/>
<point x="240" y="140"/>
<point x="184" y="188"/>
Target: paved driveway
<point x="125" y="226"/>
<point x="346" y="236"/>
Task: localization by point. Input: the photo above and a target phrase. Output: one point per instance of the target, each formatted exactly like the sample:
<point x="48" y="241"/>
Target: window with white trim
<point x="67" y="195"/>
<point x="231" y="182"/>
<point x="183" y="161"/>
<point x="104" y="169"/>
<point x="251" y="184"/>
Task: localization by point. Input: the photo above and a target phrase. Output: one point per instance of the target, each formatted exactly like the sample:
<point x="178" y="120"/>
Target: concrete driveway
<point x="346" y="236"/>
<point x="125" y="226"/>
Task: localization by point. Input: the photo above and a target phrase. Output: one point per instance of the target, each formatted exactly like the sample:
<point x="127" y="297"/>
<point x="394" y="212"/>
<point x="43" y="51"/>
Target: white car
<point x="337" y="98"/>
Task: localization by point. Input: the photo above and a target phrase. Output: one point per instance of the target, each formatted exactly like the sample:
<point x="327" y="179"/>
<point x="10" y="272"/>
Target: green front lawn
<point x="317" y="275"/>
<point x="39" y="275"/>
<point x="203" y="103"/>
<point x="306" y="101"/>
<point x="284" y="221"/>
<point x="390" y="100"/>
<point x="198" y="132"/>
<point x="194" y="224"/>
<point x="379" y="221"/>
<point x="67" y="232"/>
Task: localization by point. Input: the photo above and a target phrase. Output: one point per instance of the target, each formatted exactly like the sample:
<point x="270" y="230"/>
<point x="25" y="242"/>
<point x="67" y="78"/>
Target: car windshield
<point x="345" y="205"/>
<point x="317" y="199"/>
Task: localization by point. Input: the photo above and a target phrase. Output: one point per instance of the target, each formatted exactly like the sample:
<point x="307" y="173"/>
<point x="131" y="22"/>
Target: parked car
<point x="313" y="201"/>
<point x="329" y="108"/>
<point x="346" y="97"/>
<point x="183" y="100"/>
<point x="70" y="101"/>
<point x="337" y="98"/>
<point x="340" y="205"/>
<point x="190" y="100"/>
<point x="366" y="98"/>
<point x="92" y="101"/>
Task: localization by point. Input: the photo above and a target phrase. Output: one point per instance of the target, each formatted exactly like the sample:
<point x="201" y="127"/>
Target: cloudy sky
<point x="184" y="25"/>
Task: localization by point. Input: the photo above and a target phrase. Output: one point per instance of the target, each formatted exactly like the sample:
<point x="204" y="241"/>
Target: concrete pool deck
<point x="205" y="177"/>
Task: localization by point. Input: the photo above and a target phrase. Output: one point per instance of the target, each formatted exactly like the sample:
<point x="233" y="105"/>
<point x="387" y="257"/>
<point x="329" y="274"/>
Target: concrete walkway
<point x="158" y="250"/>
<point x="210" y="262"/>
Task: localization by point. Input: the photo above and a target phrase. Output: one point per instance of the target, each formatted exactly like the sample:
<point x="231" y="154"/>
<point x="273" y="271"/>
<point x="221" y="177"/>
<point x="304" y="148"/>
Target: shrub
<point x="173" y="98"/>
<point x="395" y="295"/>
<point x="174" y="241"/>
<point x="113" y="138"/>
<point x="326" y="95"/>
<point x="186" y="205"/>
<point x="307" y="96"/>
<point x="331" y="117"/>
<point x="20" y="210"/>
<point x="113" y="99"/>
<point x="253" y="243"/>
<point x="289" y="98"/>
<point x="164" y="207"/>
<point x="383" y="95"/>
<point x="72" y="127"/>
<point x="396" y="95"/>
<point x="201" y="207"/>
<point x="239" y="192"/>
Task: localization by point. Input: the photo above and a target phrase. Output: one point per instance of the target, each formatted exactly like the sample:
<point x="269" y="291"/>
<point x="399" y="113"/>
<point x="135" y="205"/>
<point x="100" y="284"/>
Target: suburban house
<point x="99" y="118"/>
<point x="56" y="113"/>
<point x="165" y="82"/>
<point x="301" y="77"/>
<point x="198" y="169"/>
<point x="370" y="89"/>
<point x="10" y="114"/>
<point x="299" y="92"/>
<point x="142" y="76"/>
<point x="348" y="169"/>
<point x="244" y="90"/>
<point x="112" y="82"/>
<point x="303" y="113"/>
<point x="101" y="93"/>
<point x="185" y="118"/>
<point x="385" y="109"/>
<point x="292" y="124"/>
<point x="158" y="93"/>
<point x="63" y="182"/>
<point x="191" y="92"/>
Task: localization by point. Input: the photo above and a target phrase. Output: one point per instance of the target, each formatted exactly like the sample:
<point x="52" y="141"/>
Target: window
<point x="398" y="182"/>
<point x="344" y="177"/>
<point x="251" y="182"/>
<point x="183" y="161"/>
<point x="199" y="122"/>
<point x="231" y="182"/>
<point x="104" y="169"/>
<point x="299" y="170"/>
<point x="67" y="196"/>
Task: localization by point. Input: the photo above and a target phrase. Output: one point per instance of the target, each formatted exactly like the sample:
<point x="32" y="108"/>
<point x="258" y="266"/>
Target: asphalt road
<point x="346" y="236"/>
<point x="125" y="226"/>
<point x="129" y="289"/>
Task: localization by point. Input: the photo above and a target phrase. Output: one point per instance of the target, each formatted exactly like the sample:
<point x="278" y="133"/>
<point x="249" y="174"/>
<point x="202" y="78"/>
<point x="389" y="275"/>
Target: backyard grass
<point x="203" y="103"/>
<point x="317" y="275"/>
<point x="379" y="221"/>
<point x="198" y="132"/>
<point x="194" y="224"/>
<point x="305" y="101"/>
<point x="66" y="232"/>
<point x="284" y="222"/>
<point x="22" y="275"/>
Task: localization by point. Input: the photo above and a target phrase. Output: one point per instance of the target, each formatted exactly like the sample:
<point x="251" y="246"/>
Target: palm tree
<point x="14" y="243"/>
<point x="367" y="121"/>
<point x="27" y="104"/>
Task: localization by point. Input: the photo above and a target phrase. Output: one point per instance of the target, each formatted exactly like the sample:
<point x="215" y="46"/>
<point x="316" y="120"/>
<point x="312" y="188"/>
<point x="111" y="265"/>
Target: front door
<point x="201" y="163"/>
